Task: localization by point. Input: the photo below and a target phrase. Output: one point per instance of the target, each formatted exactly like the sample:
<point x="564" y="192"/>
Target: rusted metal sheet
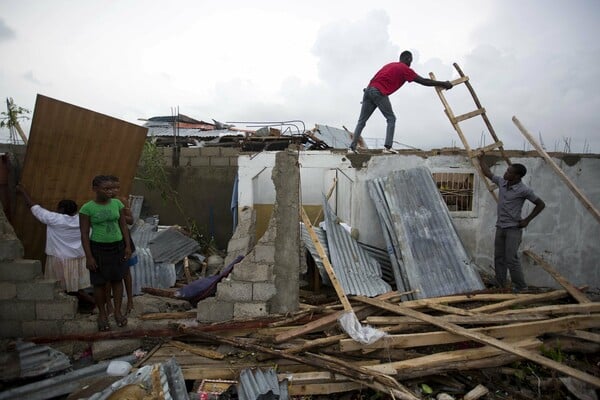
<point x="68" y="146"/>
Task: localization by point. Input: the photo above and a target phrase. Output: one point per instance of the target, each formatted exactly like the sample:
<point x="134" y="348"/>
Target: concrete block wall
<point x="201" y="157"/>
<point x="248" y="289"/>
<point x="29" y="304"/>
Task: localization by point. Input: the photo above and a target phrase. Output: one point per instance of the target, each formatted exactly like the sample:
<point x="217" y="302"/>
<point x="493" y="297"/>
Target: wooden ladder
<point x="480" y="111"/>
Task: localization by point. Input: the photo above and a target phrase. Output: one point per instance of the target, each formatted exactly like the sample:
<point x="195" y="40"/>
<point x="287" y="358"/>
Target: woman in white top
<point x="65" y="259"/>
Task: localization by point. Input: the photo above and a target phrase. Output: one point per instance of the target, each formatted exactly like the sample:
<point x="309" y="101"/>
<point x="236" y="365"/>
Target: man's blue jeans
<point x="372" y="99"/>
<point x="506" y="246"/>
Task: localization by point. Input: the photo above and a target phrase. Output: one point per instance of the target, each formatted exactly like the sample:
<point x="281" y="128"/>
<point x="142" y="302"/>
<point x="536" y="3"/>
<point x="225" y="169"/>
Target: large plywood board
<point x="67" y="147"/>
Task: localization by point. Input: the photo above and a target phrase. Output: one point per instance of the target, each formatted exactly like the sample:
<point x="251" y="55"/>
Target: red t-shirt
<point x="391" y="77"/>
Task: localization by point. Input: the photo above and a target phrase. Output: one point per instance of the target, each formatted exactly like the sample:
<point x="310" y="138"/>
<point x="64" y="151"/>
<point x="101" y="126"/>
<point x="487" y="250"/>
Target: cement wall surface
<point x="565" y="233"/>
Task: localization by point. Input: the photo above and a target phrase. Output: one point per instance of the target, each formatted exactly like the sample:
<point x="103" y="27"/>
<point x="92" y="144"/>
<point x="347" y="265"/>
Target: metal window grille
<point x="456" y="189"/>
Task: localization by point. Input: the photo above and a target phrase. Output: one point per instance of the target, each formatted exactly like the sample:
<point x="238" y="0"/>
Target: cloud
<point x="6" y="33"/>
<point x="31" y="78"/>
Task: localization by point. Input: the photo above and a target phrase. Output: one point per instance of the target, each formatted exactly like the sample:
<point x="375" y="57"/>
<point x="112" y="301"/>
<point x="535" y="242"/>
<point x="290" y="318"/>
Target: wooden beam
<point x="325" y="260"/>
<point x="308" y="389"/>
<point x="573" y="291"/>
<point x="521" y="300"/>
<point x="585" y="335"/>
<point x="555" y="325"/>
<point x="451" y="310"/>
<point x="425" y="365"/>
<point x="556" y="309"/>
<point x="487" y="340"/>
<point x="480" y="319"/>
<point x="215" y="355"/>
<point x="578" y="193"/>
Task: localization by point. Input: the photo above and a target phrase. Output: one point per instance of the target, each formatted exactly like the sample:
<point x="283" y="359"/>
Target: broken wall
<point x="565" y="233"/>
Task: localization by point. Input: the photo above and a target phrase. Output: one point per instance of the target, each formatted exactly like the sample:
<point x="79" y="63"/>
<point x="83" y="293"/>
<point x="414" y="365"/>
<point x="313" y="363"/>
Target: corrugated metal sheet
<point x="60" y="385"/>
<point x="435" y="262"/>
<point x="67" y="147"/>
<point x="167" y="130"/>
<point x="358" y="273"/>
<point x="171" y="382"/>
<point x="31" y="360"/>
<point x="147" y="273"/>
<point x="334" y="137"/>
<point x="172" y="246"/>
<point x="383" y="258"/>
<point x="135" y="203"/>
<point x="260" y="384"/>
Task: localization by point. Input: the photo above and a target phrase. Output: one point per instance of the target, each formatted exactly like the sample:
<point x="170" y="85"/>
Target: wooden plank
<point x="489" y="147"/>
<point x="461" y="298"/>
<point x="169" y="315"/>
<point x="487" y="340"/>
<point x="536" y="328"/>
<point x="573" y="291"/>
<point x="68" y="146"/>
<point x="585" y="335"/>
<point x="557" y="309"/>
<point x="468" y="115"/>
<point x="308" y="389"/>
<point x="208" y="353"/>
<point x="521" y="300"/>
<point x="425" y="364"/>
<point x="451" y="310"/>
<point x="325" y="260"/>
<point x="479" y="319"/>
<point x="576" y="191"/>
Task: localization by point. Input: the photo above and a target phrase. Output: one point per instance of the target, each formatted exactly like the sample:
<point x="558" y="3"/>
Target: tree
<point x="10" y="118"/>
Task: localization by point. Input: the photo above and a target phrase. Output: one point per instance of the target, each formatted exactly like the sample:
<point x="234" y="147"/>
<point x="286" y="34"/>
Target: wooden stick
<point x="477" y="392"/>
<point x="329" y="193"/>
<point x="169" y="315"/>
<point x="578" y="193"/>
<point x="325" y="260"/>
<point x="485" y="339"/>
<point x="520" y="300"/>
<point x="573" y="291"/>
<point x="215" y="355"/>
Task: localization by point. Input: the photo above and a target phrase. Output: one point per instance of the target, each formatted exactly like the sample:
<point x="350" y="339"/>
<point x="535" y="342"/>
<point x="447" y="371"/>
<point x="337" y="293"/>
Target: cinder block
<point x="17" y="310"/>
<point x="81" y="325"/>
<point x="263" y="291"/>
<point x="41" y="328"/>
<point x="64" y="307"/>
<point x="20" y="270"/>
<point x="10" y="249"/>
<point x="264" y="253"/>
<point x="199" y="161"/>
<point x="239" y="245"/>
<point x="234" y="291"/>
<point x="40" y="289"/>
<point x="189" y="152"/>
<point x="213" y="310"/>
<point x="11" y="329"/>
<point x="250" y="310"/>
<point x="105" y="349"/>
<point x="8" y="290"/>
<point x="229" y="151"/>
<point x="252" y="272"/>
<point x="219" y="161"/>
<point x="210" y="151"/>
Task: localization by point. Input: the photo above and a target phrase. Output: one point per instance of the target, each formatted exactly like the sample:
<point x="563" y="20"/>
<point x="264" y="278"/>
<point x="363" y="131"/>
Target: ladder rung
<point x="469" y="115"/>
<point x="459" y="80"/>
<point x="489" y="147"/>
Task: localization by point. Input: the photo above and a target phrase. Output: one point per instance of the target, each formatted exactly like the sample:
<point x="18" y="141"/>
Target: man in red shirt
<point x="385" y="82"/>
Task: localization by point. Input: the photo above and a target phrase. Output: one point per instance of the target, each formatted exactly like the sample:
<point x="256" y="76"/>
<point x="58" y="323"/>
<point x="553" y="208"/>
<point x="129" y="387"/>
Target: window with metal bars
<point x="456" y="189"/>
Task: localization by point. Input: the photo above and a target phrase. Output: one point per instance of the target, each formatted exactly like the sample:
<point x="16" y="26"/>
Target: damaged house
<point x="402" y="242"/>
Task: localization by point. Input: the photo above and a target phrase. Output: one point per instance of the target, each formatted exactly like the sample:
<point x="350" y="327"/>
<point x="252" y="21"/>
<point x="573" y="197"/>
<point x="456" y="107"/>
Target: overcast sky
<point x="309" y="60"/>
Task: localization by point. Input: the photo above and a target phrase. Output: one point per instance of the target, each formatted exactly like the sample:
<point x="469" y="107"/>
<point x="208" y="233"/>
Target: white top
<point x="63" y="238"/>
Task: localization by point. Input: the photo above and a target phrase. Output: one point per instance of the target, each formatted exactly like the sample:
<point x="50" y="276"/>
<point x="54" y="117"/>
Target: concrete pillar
<point x="286" y="177"/>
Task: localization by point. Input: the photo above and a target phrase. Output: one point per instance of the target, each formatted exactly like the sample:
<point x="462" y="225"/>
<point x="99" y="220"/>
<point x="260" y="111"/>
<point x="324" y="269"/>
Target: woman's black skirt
<point x="110" y="262"/>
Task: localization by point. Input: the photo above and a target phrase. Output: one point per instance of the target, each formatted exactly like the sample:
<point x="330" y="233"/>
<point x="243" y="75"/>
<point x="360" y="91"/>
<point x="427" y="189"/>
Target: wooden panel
<point x="68" y="146"/>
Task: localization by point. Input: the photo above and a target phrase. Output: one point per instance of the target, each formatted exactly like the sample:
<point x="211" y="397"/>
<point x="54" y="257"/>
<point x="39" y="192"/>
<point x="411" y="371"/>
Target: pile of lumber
<point x="428" y="341"/>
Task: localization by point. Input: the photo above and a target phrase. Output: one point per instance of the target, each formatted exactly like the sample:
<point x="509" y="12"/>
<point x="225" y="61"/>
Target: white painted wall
<point x="565" y="233"/>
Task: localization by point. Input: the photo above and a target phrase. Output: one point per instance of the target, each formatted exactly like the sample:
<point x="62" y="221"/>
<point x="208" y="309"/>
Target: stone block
<point x="11" y="329"/>
<point x="251" y="272"/>
<point x="107" y="349"/>
<point x="41" y="328"/>
<point x="234" y="291"/>
<point x="264" y="253"/>
<point x="219" y="161"/>
<point x="189" y="152"/>
<point x="210" y="151"/>
<point x="240" y="244"/>
<point x="40" y="289"/>
<point x="81" y="325"/>
<point x="199" y="161"/>
<point x="11" y="249"/>
<point x="17" y="310"/>
<point x="263" y="291"/>
<point x="64" y="307"/>
<point x="250" y="310"/>
<point x="20" y="270"/>
<point x="229" y="151"/>
<point x="8" y="290"/>
<point x="213" y="310"/>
